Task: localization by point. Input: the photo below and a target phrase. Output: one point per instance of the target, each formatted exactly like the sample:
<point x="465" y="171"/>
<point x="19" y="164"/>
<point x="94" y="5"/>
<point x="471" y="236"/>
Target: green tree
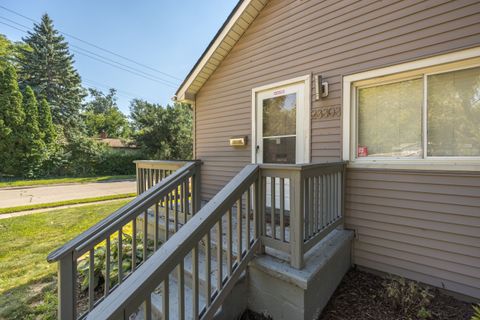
<point x="164" y="133"/>
<point x="47" y="128"/>
<point x="12" y="118"/>
<point x="9" y="51"/>
<point x="47" y="66"/>
<point x="102" y="115"/>
<point x="32" y="147"/>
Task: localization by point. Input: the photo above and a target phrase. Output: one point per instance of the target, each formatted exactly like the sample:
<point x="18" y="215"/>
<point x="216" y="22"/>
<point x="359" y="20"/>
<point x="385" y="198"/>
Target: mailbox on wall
<point x="239" y="141"/>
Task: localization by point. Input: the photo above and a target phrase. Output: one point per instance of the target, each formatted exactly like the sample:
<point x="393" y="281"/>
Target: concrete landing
<point x="284" y="293"/>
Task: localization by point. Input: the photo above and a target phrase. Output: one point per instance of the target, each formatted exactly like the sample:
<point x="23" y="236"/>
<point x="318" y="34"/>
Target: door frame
<point x="303" y="115"/>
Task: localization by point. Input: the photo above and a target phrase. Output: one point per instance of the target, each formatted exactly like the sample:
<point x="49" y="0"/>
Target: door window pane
<point x="279" y="150"/>
<point x="453" y="101"/>
<point x="390" y="120"/>
<point x="279" y="115"/>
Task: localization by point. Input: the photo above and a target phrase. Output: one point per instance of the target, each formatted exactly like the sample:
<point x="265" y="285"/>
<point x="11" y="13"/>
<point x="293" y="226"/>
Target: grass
<point x="27" y="281"/>
<point x="65" y="203"/>
<point x="40" y="182"/>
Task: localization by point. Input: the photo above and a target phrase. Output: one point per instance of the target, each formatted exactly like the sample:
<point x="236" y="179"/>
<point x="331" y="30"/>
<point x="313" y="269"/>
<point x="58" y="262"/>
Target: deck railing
<point x="94" y="264"/>
<point x="150" y="172"/>
<point x="289" y="208"/>
<point x="300" y="205"/>
<point x="159" y="287"/>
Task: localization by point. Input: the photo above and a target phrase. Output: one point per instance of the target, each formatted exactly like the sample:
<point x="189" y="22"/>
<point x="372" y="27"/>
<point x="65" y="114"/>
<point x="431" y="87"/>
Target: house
<point x="330" y="133"/>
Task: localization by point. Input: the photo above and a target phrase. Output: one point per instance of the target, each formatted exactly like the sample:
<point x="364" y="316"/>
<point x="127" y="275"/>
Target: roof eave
<point x="231" y="30"/>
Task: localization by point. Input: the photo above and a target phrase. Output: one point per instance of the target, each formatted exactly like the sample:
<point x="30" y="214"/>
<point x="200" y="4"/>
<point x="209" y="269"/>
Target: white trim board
<point x="305" y="127"/>
<point x="349" y="126"/>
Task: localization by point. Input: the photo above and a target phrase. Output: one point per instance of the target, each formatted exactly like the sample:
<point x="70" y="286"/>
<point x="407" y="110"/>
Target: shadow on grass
<point x="34" y="300"/>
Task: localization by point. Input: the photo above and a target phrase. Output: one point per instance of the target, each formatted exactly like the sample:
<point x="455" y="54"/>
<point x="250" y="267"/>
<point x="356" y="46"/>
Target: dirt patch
<point x="362" y="296"/>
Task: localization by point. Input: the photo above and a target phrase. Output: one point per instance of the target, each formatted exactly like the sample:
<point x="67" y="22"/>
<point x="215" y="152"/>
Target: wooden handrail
<point x="177" y="192"/>
<point x="137" y="289"/>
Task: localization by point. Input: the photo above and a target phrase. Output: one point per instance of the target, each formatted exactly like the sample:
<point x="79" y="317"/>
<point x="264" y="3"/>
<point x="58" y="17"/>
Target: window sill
<point x="427" y="165"/>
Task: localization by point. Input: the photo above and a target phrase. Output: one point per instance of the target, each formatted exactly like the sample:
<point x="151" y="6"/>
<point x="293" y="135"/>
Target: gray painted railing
<point x="230" y="210"/>
<point x="150" y="172"/>
<point x="103" y="248"/>
<point x="285" y="207"/>
<point x="301" y="204"/>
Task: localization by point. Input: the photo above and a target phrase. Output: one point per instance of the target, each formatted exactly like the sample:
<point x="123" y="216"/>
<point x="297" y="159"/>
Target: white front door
<point x="282" y="123"/>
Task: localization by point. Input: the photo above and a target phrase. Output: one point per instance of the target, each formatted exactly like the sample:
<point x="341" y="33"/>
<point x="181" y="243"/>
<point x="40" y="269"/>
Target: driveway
<point x="12" y="197"/>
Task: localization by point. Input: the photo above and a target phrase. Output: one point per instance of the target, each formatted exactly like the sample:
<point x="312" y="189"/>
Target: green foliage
<point x="164" y="133"/>
<point x="476" y="314"/>
<point x="9" y="51"/>
<point x="47" y="66"/>
<point x="47" y="128"/>
<point x="118" y="162"/>
<point x="100" y="257"/>
<point x="409" y="298"/>
<point x="102" y="115"/>
<point x="33" y="147"/>
<point x="12" y="118"/>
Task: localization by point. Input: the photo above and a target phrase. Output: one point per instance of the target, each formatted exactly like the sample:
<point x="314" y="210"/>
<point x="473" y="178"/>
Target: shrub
<point x="408" y="297"/>
<point x="476" y="312"/>
<point x="100" y="257"/>
<point x="117" y="162"/>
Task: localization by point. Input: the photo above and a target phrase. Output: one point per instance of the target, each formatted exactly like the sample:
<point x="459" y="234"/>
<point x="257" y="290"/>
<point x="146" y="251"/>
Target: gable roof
<point x="232" y="29"/>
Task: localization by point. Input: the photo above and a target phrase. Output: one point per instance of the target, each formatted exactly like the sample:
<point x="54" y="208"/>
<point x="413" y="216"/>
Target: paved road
<point x="44" y="194"/>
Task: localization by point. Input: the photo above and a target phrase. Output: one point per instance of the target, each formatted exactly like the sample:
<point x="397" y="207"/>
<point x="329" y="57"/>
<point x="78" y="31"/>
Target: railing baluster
<point x="145" y="235"/>
<point x="91" y="280"/>
<point x="315" y="204"/>
<point x="229" y="242"/>
<point x="155" y="227"/>
<point x="282" y="209"/>
<point x="120" y="255"/>
<point x="195" y="273"/>
<point x="324" y="201"/>
<point x="166" y="298"/>
<point x="181" y="290"/>
<point x="134" y="244"/>
<point x="272" y="207"/>
<point x="207" y="269"/>
<point x="175" y="207"/>
<point x="167" y="216"/>
<point x="186" y="197"/>
<point x="249" y="209"/>
<point x="263" y="206"/>
<point x="107" y="266"/>
<point x="182" y="207"/>
<point x="219" y="256"/>
<point x="311" y="196"/>
<point x="148" y="307"/>
<point x="239" y="230"/>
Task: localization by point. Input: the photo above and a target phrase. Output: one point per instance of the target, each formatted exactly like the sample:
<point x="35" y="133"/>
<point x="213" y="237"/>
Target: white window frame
<point x="303" y="117"/>
<point x="421" y="68"/>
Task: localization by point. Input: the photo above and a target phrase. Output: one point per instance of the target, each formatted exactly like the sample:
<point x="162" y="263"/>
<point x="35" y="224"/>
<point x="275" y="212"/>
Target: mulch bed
<point x="361" y="296"/>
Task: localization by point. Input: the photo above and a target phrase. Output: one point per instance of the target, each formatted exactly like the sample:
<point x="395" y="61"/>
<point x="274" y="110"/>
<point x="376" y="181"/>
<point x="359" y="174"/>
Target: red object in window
<point x="362" y="151"/>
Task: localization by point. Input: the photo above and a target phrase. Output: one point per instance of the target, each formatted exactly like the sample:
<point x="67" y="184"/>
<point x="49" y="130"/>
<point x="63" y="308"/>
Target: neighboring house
<point x="117" y="144"/>
<point x="390" y="87"/>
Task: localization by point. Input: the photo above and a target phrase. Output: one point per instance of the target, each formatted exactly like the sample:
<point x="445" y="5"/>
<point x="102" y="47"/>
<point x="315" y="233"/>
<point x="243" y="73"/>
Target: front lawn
<point x="27" y="281"/>
<point x="39" y="182"/>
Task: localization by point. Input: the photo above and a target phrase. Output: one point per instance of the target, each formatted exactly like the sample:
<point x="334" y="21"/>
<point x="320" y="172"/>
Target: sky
<point x="165" y="36"/>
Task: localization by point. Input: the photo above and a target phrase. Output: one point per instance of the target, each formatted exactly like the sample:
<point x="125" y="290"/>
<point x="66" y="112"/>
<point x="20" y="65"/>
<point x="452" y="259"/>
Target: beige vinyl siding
<point x="333" y="38"/>
<point x="422" y="226"/>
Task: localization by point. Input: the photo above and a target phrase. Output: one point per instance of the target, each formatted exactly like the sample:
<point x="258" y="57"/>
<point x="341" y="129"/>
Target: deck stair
<point x="195" y="257"/>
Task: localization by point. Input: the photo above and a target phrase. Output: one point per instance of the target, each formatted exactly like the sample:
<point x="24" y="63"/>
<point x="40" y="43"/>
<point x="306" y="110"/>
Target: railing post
<point x="296" y="220"/>
<point x="66" y="288"/>
<point x="259" y="207"/>
<point x="197" y="195"/>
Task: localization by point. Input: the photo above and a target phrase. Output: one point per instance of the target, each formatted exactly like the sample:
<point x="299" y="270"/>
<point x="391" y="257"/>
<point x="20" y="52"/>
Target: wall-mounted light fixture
<point x="321" y="87"/>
